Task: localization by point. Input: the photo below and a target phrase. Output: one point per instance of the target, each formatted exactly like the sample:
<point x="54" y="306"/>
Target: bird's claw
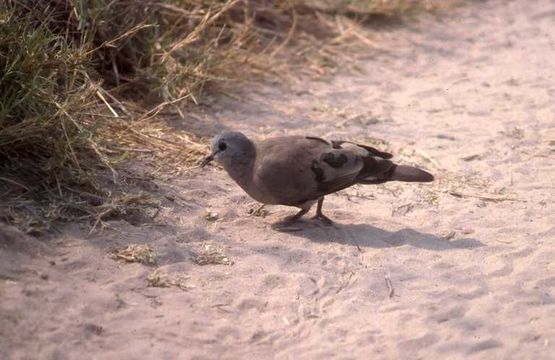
<point x="324" y="219"/>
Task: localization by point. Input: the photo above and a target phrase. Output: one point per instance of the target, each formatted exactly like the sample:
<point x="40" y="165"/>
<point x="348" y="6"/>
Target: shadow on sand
<point x="364" y="235"/>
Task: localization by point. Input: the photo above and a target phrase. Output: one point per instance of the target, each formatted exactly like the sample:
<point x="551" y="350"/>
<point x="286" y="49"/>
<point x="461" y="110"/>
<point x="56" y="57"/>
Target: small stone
<point x="94" y="328"/>
<point x="467" y="231"/>
<point x="210" y="216"/>
<point x="471" y="157"/>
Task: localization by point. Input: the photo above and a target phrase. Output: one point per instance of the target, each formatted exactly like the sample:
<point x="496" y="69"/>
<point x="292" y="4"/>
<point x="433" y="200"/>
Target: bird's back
<point x="283" y="168"/>
<point x="292" y="170"/>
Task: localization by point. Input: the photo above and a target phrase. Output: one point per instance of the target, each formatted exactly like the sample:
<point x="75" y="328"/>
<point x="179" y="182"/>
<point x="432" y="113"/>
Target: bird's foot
<point x="324" y="219"/>
<point x="285" y="224"/>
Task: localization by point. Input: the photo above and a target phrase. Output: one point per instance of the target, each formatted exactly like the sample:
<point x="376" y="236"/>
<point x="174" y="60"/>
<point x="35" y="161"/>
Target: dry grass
<point x="158" y="278"/>
<point x="375" y="7"/>
<point x="84" y="85"/>
<point x="135" y="253"/>
<point x="81" y="86"/>
<point x="212" y="255"/>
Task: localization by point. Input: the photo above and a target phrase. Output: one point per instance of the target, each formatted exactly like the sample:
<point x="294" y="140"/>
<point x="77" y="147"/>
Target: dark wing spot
<point x="334" y="160"/>
<point x="318" y="172"/>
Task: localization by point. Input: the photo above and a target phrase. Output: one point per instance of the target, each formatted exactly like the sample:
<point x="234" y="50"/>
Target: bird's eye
<point x="222" y="146"/>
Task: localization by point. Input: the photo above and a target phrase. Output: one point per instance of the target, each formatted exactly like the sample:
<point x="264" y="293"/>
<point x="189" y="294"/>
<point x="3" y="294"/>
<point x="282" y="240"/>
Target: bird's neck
<point x="241" y="174"/>
<point x="241" y="169"/>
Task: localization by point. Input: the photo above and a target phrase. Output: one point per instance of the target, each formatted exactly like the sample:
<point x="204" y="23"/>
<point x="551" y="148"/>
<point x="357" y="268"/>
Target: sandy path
<point x="410" y="271"/>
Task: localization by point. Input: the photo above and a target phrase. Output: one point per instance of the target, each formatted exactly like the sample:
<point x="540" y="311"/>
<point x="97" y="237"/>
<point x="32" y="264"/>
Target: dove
<point x="300" y="171"/>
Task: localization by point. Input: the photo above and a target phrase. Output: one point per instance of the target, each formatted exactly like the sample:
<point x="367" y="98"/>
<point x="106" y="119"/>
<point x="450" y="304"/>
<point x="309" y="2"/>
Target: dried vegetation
<point x="85" y="85"/>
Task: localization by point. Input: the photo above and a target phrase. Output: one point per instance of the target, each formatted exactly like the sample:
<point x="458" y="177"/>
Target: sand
<point x="459" y="269"/>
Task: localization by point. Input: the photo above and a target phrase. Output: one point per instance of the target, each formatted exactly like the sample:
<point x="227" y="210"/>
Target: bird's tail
<point x="398" y="173"/>
<point x="409" y="174"/>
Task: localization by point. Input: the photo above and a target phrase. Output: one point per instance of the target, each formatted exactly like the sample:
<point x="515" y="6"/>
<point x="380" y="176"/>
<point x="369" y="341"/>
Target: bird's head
<point x="230" y="148"/>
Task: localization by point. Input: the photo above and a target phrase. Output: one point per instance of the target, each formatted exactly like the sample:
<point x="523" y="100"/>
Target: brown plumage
<point x="299" y="171"/>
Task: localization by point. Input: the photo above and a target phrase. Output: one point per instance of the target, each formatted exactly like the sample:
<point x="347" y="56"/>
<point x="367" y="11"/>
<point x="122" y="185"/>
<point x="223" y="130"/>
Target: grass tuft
<point x="212" y="255"/>
<point x="135" y="253"/>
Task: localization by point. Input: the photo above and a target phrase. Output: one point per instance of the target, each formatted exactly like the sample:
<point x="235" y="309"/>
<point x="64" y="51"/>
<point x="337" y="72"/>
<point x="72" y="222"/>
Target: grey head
<point x="231" y="149"/>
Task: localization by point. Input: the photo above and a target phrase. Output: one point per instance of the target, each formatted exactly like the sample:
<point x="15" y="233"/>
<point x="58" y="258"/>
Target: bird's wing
<point x="298" y="169"/>
<point x="347" y="163"/>
<point x="363" y="150"/>
<point x="378" y="168"/>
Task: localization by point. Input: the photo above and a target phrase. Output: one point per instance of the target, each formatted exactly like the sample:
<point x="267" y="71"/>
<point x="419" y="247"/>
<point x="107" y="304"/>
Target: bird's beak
<point x="207" y="160"/>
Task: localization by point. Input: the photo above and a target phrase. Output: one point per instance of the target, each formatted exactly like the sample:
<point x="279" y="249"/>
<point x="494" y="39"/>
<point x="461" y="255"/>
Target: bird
<point x="299" y="171"/>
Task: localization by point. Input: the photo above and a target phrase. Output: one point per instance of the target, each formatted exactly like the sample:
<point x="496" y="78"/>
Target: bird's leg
<point x="297" y="216"/>
<point x="319" y="215"/>
<point x="285" y="224"/>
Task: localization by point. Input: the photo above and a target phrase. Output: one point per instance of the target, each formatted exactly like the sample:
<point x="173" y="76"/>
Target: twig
<point x="129" y="32"/>
<point x="484" y="197"/>
<point x="148" y="151"/>
<point x="114" y="99"/>
<point x="288" y="37"/>
<point x="390" y="287"/>
<point x="391" y="191"/>
<point x="13" y="182"/>
<point x="429" y="158"/>
<point x="366" y="41"/>
<point x="194" y="35"/>
<point x="99" y="219"/>
<point x="84" y="193"/>
<point x="259" y="211"/>
<point x="155" y="110"/>
<point x="101" y="97"/>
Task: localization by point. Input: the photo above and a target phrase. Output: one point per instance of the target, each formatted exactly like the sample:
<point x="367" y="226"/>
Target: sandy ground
<point x="459" y="269"/>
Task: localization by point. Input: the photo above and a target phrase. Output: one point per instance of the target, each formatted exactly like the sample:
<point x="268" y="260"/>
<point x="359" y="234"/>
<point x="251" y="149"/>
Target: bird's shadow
<point x="364" y="235"/>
